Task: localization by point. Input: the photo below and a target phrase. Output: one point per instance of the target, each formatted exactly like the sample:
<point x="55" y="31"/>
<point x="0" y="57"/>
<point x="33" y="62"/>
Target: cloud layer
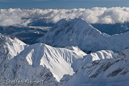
<point x="100" y="15"/>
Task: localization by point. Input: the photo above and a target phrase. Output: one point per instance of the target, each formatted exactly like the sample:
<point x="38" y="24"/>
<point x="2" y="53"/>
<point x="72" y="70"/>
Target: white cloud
<point x="94" y="15"/>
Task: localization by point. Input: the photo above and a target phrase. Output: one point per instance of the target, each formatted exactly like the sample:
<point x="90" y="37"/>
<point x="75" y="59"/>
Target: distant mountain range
<point x="27" y="34"/>
<point x="112" y="29"/>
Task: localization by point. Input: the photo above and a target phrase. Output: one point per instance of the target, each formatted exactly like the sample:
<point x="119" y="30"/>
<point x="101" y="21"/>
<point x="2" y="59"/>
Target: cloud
<point x="100" y="15"/>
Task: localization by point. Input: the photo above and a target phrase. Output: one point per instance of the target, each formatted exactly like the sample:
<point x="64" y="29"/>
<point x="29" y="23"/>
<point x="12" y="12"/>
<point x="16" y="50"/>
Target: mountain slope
<point x="77" y="32"/>
<point x="9" y="48"/>
<point x="60" y="61"/>
<point x="48" y="64"/>
<point x="55" y="66"/>
<point x="110" y="72"/>
<point x="16" y="72"/>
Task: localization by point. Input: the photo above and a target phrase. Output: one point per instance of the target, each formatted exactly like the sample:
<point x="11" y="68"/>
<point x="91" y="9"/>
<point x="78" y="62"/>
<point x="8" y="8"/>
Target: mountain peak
<point x="74" y="24"/>
<point x="69" y="33"/>
<point x="77" y="32"/>
<point x="10" y="47"/>
<point x="60" y="59"/>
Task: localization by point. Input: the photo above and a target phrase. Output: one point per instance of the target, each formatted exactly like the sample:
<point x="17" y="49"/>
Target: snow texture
<point x="110" y="72"/>
<point x="77" y="32"/>
<point x="58" y="60"/>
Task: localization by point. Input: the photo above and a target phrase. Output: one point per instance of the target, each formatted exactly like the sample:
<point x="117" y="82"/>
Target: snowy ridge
<point x="64" y="66"/>
<point x="99" y="55"/>
<point x="52" y="58"/>
<point x="39" y="60"/>
<point x="18" y="69"/>
<point x="11" y="46"/>
<point x="110" y="72"/>
<point x="79" y="33"/>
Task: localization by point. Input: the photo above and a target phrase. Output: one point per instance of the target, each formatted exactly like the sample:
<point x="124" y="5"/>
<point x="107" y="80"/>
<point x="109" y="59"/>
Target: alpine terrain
<point x="79" y="33"/>
<point x="72" y="53"/>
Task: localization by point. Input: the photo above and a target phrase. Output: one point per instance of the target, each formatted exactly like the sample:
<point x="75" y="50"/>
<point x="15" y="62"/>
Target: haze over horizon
<point x="61" y="4"/>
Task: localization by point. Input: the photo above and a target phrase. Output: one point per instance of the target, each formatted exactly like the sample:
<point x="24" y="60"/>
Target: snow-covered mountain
<point x="58" y="60"/>
<point x="39" y="62"/>
<point x="67" y="66"/>
<point x="79" y="33"/>
<point x="106" y="72"/>
<point x="9" y="48"/>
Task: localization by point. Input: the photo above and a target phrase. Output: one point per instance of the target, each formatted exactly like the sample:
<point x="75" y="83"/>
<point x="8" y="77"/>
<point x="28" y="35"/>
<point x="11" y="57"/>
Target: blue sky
<point x="61" y="4"/>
